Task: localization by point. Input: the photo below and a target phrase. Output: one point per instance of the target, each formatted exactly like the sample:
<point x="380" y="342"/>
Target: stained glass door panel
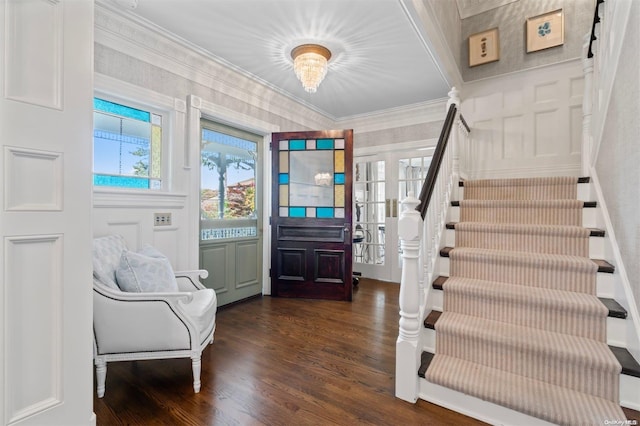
<point x="311" y="215"/>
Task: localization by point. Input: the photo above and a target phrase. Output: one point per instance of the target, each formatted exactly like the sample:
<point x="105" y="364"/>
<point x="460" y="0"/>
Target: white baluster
<point x="407" y="348"/>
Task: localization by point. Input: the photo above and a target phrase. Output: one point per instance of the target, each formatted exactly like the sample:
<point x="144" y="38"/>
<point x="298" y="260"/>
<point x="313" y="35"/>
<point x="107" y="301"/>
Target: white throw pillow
<point x="143" y="273"/>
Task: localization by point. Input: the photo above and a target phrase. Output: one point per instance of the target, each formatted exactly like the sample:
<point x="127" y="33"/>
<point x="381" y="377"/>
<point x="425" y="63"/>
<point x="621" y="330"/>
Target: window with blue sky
<point x="127" y="146"/>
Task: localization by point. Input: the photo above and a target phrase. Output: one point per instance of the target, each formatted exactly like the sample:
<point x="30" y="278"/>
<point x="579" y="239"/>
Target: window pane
<point x="228" y="186"/>
<point x="125" y="145"/>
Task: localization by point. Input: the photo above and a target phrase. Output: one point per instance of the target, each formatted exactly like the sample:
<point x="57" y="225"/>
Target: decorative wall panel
<point x="216" y="259"/>
<point x="167" y="241"/>
<point x="247" y="263"/>
<point x="130" y="231"/>
<point x="33" y="52"/>
<point x="513" y="140"/>
<point x="33" y="180"/>
<point x="545" y="128"/>
<point x="33" y="324"/>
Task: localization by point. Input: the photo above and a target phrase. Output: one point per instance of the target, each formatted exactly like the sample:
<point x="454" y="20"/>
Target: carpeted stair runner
<point x="521" y="324"/>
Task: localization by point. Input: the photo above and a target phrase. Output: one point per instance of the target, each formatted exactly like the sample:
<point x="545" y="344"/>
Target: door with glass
<point x="311" y="214"/>
<point x="230" y="238"/>
<point x="381" y="182"/>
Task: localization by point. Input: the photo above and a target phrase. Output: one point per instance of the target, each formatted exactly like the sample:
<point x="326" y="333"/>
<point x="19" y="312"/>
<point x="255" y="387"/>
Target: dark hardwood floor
<point x="280" y="362"/>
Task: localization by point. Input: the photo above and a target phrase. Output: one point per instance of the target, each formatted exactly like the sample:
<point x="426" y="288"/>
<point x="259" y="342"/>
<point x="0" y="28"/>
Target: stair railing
<point x="420" y="230"/>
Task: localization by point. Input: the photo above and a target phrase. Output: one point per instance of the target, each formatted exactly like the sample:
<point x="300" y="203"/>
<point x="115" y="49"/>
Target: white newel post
<point x="407" y="350"/>
<point x="587" y="109"/>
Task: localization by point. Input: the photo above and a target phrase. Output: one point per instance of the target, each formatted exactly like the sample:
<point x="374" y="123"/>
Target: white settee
<point x="130" y="325"/>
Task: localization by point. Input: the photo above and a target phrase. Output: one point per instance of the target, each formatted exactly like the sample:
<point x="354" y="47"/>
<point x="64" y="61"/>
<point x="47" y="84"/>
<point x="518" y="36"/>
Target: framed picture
<point x="545" y="31"/>
<point x="484" y="47"/>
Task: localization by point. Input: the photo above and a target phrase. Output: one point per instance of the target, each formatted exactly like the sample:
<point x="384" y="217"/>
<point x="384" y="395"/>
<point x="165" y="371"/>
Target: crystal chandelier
<point x="310" y="65"/>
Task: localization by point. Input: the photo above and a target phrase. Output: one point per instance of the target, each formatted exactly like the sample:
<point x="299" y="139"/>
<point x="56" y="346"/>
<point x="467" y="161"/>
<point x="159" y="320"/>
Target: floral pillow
<point x="145" y="271"/>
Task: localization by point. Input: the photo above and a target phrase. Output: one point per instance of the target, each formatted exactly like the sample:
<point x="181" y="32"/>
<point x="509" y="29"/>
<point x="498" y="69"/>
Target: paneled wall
<point x="525" y="124"/>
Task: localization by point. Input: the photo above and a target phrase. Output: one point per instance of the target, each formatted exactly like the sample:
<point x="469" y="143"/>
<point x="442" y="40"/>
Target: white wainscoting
<point x="525" y="124"/>
<point x="131" y="214"/>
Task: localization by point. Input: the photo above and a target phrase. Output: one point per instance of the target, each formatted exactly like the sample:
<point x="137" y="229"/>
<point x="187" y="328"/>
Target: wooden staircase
<point x="616" y="330"/>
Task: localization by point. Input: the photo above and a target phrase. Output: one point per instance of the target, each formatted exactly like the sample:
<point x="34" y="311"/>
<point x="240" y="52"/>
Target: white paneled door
<point x="45" y="217"/>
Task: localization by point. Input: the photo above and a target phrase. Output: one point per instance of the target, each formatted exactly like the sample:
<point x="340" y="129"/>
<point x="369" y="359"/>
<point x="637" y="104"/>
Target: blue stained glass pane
<point x="325" y="212"/>
<point x="297" y="212"/>
<point x="283" y="178"/>
<point x="324" y="144"/>
<point x="121" y="110"/>
<point x="338" y="178"/>
<point x="297" y="144"/>
<point x="120" y="181"/>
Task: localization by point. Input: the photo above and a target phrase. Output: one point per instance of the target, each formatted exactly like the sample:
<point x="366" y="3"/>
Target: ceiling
<point x="379" y="59"/>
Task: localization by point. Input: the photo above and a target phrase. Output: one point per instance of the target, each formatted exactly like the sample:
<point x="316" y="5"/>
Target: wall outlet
<point x="161" y="219"/>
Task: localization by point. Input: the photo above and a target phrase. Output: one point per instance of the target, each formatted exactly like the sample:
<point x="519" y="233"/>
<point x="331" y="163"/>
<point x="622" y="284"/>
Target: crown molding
<point x="408" y="115"/>
<point x="468" y="8"/>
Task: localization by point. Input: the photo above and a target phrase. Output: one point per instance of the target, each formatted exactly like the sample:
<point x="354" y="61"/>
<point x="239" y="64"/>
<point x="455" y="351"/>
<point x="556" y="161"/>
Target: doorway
<point x="311" y="214"/>
<point x="230" y="196"/>
<point x="381" y="182"/>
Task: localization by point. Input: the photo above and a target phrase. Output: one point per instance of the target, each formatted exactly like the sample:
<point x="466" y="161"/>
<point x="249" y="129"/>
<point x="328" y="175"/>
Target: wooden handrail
<point x="596" y="20"/>
<point x="434" y="168"/>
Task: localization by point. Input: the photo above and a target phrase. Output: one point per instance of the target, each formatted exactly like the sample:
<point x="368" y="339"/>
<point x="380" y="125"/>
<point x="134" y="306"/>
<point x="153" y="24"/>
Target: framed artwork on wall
<point x="545" y="31"/>
<point x="484" y="47"/>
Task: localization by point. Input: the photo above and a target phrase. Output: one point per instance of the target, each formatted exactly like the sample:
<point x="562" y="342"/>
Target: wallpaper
<point x="510" y="20"/>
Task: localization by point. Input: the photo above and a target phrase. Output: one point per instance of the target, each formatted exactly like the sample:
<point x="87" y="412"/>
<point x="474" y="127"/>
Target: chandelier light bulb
<point x="310" y="65"/>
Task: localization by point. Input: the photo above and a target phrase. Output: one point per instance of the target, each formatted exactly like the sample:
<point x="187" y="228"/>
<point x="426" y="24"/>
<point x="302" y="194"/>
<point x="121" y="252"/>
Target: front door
<point x="230" y="196"/>
<point x="311" y="214"/>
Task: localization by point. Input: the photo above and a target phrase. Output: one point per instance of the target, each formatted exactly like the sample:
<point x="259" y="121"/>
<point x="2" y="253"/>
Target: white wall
<point x="527" y="123"/>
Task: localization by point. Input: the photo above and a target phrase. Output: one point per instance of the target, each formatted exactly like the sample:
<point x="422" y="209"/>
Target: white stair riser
<point x="604" y="282"/>
<point x="629" y="395"/>
<point x="596" y="244"/>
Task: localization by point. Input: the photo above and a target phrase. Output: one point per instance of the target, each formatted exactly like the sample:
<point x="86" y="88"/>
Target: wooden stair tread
<point x="425" y="360"/>
<point x="582" y="179"/>
<point x="594" y="232"/>
<point x="616" y="310"/>
<point x="603" y="265"/>
<point x="630" y="366"/>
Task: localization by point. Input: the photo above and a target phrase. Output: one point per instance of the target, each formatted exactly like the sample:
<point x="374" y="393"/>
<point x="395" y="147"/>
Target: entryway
<point x="381" y="182"/>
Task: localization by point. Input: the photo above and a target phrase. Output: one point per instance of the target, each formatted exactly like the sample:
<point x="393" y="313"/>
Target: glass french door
<point x="381" y="182"/>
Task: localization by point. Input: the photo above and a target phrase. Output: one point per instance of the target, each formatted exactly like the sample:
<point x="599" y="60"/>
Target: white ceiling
<point x="379" y="60"/>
